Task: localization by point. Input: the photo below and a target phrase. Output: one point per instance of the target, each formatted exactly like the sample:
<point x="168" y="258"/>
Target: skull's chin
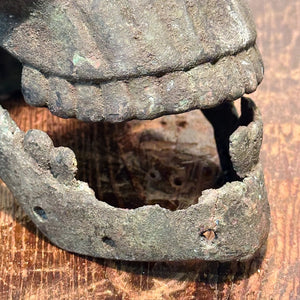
<point x="139" y="164"/>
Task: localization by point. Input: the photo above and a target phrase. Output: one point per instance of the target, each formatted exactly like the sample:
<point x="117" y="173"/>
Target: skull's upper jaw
<point x="227" y="223"/>
<point x="125" y="60"/>
<point x="146" y="97"/>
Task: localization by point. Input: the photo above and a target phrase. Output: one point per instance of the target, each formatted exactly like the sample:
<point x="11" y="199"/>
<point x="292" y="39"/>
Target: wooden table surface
<point x="32" y="268"/>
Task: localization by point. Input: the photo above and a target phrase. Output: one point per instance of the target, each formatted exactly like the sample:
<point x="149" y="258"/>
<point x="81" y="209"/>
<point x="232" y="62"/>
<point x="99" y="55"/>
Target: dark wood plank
<point x="32" y="268"/>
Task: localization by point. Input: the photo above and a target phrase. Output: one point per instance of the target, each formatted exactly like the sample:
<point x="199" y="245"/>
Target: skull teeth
<point x="246" y="141"/>
<point x="146" y="97"/>
<point x="38" y="144"/>
<point x="63" y="164"/>
<point x="61" y="161"/>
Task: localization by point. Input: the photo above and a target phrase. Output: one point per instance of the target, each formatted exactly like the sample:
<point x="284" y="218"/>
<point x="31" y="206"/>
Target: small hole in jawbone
<point x="108" y="241"/>
<point x="209" y="235"/>
<point x="182" y="124"/>
<point x="40" y="213"/>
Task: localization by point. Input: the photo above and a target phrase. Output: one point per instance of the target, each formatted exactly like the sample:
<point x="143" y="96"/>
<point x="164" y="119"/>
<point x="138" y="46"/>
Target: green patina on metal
<point x="78" y="59"/>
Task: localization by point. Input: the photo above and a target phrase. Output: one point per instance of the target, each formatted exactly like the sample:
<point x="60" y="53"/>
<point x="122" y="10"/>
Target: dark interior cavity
<point x="225" y="120"/>
<point x="10" y="75"/>
<point x="19" y="9"/>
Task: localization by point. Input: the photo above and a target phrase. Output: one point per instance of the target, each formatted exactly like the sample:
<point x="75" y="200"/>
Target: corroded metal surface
<point x="139" y="60"/>
<point x="31" y="267"/>
<point x="66" y="210"/>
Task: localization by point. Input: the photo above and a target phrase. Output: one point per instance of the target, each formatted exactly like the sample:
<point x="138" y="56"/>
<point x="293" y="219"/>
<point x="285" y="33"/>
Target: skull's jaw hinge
<point x="228" y="223"/>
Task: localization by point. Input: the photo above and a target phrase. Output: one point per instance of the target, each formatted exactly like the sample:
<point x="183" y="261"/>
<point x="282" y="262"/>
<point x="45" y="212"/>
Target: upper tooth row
<point x="146" y="97"/>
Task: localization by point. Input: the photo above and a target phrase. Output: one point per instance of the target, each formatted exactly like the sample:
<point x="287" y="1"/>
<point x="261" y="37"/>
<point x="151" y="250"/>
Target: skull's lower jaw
<point x="227" y="223"/>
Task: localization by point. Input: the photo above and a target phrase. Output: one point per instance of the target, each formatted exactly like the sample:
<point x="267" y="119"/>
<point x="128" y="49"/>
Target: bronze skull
<point x="114" y="61"/>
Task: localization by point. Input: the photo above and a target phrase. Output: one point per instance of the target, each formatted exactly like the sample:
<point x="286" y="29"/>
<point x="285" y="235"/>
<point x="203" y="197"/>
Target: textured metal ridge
<point x="146" y="97"/>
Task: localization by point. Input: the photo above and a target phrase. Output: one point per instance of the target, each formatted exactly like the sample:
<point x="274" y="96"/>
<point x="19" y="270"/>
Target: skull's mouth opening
<point x="168" y="190"/>
<point x="167" y="161"/>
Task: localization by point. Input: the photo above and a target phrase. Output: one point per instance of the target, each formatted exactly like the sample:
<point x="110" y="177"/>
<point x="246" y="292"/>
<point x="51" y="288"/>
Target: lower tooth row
<point x="61" y="161"/>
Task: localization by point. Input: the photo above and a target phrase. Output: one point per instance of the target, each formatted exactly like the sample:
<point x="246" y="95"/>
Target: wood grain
<point x="32" y="268"/>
